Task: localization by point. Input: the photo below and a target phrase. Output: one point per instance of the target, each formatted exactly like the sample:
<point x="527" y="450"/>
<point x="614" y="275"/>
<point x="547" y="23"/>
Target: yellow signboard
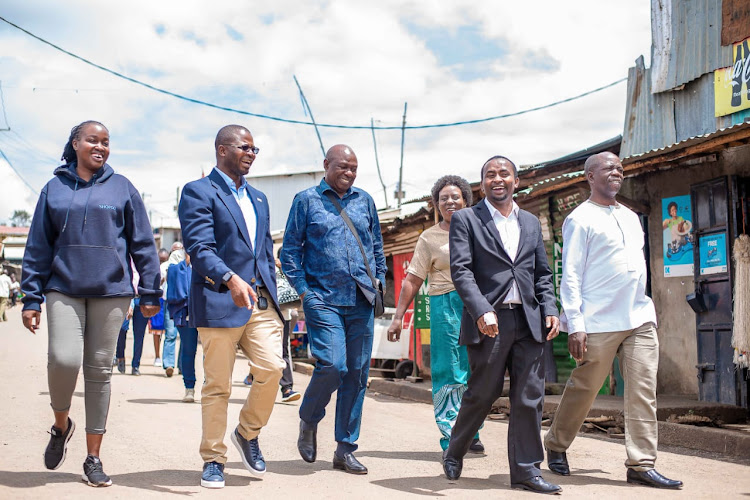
<point x="732" y="84"/>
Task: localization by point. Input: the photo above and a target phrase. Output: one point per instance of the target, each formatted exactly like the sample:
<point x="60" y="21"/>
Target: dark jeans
<point x="513" y="348"/>
<point x="341" y="342"/>
<point x="139" y="331"/>
<point x="188" y="348"/>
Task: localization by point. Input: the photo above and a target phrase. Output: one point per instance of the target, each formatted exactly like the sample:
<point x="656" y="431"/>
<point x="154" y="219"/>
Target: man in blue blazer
<point x="225" y="226"/>
<point x="500" y="270"/>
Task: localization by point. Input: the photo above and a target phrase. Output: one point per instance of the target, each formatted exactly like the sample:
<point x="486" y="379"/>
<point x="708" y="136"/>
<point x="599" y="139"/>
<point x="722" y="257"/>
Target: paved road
<point x="151" y="447"/>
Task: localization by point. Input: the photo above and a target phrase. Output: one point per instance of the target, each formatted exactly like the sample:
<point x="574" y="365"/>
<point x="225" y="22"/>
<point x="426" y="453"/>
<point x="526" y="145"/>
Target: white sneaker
<point x="157" y="362"/>
<point x="189" y="396"/>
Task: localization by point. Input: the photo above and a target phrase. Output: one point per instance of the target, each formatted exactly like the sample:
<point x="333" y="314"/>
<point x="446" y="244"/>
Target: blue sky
<point x="456" y="60"/>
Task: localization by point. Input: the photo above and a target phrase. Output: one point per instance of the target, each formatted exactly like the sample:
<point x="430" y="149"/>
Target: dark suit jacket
<point x="216" y="237"/>
<point x="482" y="270"/>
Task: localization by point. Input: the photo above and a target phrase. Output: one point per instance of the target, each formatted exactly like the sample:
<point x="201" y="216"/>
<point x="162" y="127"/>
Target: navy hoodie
<point x="83" y="236"/>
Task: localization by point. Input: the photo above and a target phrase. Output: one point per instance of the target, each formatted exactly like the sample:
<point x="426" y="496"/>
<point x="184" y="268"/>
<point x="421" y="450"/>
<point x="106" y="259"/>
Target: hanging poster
<point x="677" y="223"/>
<point x="713" y="253"/>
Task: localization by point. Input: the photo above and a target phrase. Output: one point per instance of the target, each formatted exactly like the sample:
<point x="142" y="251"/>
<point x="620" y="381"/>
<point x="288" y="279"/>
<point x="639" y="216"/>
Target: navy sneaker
<point x="213" y="475"/>
<point x="93" y="472"/>
<point x="57" y="448"/>
<point x="121" y="365"/>
<point x="289" y="395"/>
<point x="250" y="453"/>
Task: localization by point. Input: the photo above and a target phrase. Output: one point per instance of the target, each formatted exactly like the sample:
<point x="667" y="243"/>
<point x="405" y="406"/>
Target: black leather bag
<point x="379" y="305"/>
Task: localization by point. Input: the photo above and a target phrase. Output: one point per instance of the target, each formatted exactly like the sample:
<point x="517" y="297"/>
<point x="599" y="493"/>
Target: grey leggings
<point x="83" y="331"/>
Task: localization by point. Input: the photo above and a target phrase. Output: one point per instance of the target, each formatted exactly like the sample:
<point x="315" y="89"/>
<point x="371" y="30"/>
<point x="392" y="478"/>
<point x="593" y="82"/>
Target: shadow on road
<point x="440" y="486"/>
<point x="161" y="481"/>
<point x="289" y="467"/>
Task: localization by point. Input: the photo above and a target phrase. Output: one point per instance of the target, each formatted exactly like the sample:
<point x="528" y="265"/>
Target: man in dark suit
<point x="499" y="267"/>
<point x="225" y="226"/>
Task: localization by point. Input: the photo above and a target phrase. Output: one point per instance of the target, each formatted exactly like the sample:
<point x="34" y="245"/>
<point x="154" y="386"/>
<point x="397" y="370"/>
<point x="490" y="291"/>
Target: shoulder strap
<point x="349" y="224"/>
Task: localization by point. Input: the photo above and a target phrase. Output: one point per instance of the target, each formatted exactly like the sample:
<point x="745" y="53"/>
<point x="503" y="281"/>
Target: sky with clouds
<point x="452" y="60"/>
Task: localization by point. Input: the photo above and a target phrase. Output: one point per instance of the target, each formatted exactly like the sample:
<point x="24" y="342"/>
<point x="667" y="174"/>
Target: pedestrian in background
<point x="88" y="224"/>
<point x="178" y="293"/>
<point x="170" y="355"/>
<point x="334" y="269"/>
<point x="449" y="364"/>
<point x="608" y="314"/>
<point x="5" y="285"/>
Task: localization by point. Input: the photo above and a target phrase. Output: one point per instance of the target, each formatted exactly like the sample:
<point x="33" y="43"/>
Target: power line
<point x="18" y="174"/>
<point x="299" y="122"/>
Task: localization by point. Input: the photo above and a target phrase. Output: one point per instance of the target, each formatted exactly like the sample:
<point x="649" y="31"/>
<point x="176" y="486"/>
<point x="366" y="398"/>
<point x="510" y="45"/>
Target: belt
<point x="509" y="305"/>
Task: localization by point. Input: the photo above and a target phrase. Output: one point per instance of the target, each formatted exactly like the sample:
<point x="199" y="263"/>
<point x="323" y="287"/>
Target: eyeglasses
<point x="245" y="148"/>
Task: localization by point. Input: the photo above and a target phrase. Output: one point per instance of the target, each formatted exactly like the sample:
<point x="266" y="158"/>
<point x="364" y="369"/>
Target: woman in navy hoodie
<point x="88" y="224"/>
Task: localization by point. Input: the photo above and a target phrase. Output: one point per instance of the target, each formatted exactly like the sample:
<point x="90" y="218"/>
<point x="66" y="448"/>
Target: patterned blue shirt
<point x="321" y="254"/>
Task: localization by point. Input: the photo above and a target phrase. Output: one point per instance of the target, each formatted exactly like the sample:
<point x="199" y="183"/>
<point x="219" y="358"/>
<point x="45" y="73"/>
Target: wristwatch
<point x="227" y="276"/>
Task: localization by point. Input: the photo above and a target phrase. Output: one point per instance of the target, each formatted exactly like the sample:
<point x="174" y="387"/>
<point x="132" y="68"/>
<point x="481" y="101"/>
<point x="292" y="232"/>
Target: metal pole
<point x="312" y="118"/>
<point x="377" y="163"/>
<point x="401" y="168"/>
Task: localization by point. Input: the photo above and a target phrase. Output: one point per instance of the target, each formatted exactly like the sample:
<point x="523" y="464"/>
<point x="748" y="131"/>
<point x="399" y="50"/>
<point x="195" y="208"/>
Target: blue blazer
<point x="216" y="238"/>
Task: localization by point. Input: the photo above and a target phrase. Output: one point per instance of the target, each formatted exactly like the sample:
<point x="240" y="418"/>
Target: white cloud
<point x="355" y="60"/>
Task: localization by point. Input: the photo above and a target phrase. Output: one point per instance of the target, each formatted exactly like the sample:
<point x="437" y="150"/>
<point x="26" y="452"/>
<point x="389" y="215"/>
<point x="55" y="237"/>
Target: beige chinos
<point x="260" y="340"/>
<point x="638" y="353"/>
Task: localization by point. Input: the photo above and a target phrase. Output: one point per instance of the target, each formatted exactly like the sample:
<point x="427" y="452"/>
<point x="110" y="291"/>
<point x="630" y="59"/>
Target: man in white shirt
<point x="5" y="284"/>
<point x="607" y="312"/>
<point x="500" y="270"/>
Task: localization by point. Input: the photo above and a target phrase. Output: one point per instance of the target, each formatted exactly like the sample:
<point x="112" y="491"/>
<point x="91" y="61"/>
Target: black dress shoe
<point x="557" y="461"/>
<point x="476" y="446"/>
<point x="652" y="478"/>
<point x="537" y="484"/>
<point x="349" y="464"/>
<point x="452" y="467"/>
<point x="307" y="443"/>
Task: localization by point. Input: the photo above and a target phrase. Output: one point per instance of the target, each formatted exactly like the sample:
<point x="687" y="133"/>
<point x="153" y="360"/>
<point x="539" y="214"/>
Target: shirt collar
<point x="493" y="210"/>
<point x="323" y="187"/>
<point x="230" y="182"/>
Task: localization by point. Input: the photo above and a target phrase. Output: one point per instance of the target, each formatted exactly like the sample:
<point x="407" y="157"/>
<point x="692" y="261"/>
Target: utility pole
<point x="377" y="163"/>
<point x="306" y="105"/>
<point x="399" y="188"/>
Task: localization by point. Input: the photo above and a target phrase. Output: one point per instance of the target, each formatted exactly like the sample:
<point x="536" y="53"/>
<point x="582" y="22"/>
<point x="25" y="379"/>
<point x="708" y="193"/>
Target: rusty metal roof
<point x="686" y="42"/>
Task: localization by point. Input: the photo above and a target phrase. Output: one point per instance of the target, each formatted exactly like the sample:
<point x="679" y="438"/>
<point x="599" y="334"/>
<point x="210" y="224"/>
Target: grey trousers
<point x="83" y="331"/>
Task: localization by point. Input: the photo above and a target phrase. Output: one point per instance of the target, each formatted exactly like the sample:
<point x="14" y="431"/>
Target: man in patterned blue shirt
<point x="322" y="260"/>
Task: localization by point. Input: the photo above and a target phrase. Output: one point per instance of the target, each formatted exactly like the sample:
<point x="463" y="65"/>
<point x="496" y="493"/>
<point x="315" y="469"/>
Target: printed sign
<point x="732" y="84"/>
<point x="677" y="223"/>
<point x="713" y="253"/>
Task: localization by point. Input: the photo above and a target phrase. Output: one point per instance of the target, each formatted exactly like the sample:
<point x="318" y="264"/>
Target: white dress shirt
<point x="603" y="287"/>
<point x="242" y="196"/>
<point x="510" y="234"/>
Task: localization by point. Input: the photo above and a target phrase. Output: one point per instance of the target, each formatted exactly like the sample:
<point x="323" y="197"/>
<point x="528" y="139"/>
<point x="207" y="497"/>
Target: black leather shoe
<point x="349" y="464"/>
<point x="537" y="484"/>
<point x="452" y="467"/>
<point x="652" y="478"/>
<point x="307" y="443"/>
<point x="557" y="461"/>
<point x="476" y="446"/>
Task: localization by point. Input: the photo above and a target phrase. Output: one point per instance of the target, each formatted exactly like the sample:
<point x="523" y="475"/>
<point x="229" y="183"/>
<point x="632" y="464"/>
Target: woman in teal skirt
<point x="449" y="364"/>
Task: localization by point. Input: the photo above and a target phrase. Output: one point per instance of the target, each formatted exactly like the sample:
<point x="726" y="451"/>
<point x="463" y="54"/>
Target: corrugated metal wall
<point x="280" y="191"/>
<point x="686" y="41"/>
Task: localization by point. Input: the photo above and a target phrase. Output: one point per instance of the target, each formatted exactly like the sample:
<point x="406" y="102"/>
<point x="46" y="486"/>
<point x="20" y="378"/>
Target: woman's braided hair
<point x="69" y="154"/>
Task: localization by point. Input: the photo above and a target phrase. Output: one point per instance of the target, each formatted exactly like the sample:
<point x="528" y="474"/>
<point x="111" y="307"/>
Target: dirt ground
<point x="151" y="446"/>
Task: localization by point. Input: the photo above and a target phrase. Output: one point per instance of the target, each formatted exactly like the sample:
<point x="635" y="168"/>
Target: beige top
<point x="432" y="261"/>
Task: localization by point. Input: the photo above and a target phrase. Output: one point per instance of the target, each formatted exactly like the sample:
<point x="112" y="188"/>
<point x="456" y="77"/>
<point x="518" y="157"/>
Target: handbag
<point x="379" y="306"/>
<point x="284" y="290"/>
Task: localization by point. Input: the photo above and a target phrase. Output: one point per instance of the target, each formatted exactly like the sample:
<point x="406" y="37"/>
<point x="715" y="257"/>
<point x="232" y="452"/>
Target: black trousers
<point x="514" y="348"/>
<point x="287" y="380"/>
